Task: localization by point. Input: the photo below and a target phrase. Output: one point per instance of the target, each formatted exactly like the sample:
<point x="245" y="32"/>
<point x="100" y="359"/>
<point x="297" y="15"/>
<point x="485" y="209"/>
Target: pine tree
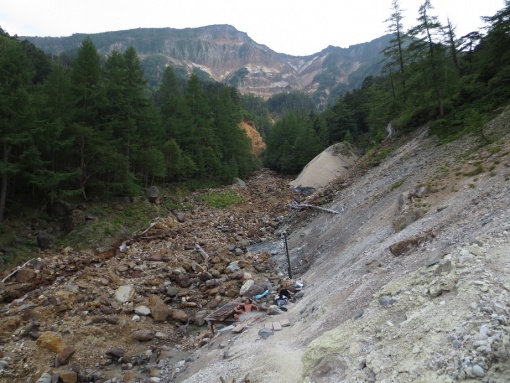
<point x="16" y="115"/>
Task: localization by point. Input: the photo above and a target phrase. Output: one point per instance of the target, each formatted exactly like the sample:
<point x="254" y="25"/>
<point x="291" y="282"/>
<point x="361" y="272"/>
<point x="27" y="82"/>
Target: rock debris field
<point x="408" y="282"/>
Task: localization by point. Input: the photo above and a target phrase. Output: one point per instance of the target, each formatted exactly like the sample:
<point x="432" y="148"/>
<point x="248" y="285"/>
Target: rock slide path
<point x="135" y="313"/>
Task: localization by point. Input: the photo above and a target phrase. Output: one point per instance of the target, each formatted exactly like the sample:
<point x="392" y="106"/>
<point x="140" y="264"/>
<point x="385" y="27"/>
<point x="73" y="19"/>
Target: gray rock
<point x="45" y="240"/>
<point x="143" y="335"/>
<point x="358" y="314"/>
<point x="142" y="310"/>
<point x="45" y="378"/>
<point x="386" y="301"/>
<point x="152" y="194"/>
<point x="478" y="371"/>
<point x="266" y="333"/>
<point x="125" y="293"/>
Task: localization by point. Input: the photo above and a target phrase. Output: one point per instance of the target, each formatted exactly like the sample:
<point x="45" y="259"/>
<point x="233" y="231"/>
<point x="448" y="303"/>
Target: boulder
<point x="50" y="341"/>
<point x="25" y="275"/>
<point x="45" y="240"/>
<point x="152" y="194"/>
<point x="158" y="308"/>
<point x="179" y="315"/>
<point x="75" y="219"/>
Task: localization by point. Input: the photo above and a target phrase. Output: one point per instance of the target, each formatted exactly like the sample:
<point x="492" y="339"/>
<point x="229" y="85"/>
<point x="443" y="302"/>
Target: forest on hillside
<point x="89" y="129"/>
<point x="430" y="75"/>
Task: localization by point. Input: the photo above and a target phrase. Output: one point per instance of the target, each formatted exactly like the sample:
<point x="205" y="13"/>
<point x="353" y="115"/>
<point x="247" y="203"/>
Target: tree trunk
<point x="5" y="179"/>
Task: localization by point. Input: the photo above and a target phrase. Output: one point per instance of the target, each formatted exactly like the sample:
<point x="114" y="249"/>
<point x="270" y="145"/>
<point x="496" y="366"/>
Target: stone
<point x="179" y="315"/>
<point x="75" y="219"/>
<point x="125" y="293"/>
<point x="181" y="217"/>
<point x="172" y="291"/>
<point x="24" y="275"/>
<point x="50" y="341"/>
<point x="265" y="333"/>
<point x="200" y="317"/>
<point x="143" y="335"/>
<point x="45" y="240"/>
<point x="478" y="371"/>
<point x="142" y="310"/>
<point x="45" y="378"/>
<point x="152" y="194"/>
<point x="115" y="352"/>
<point x="68" y="376"/>
<point x="158" y="308"/>
<point x="386" y="301"/>
<point x="254" y="289"/>
<point x="182" y="280"/>
<point x="65" y="355"/>
<point x="246" y="286"/>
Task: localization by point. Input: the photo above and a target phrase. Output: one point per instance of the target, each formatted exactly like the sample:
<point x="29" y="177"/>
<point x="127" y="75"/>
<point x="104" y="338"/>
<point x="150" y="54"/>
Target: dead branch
<point x="295" y="205"/>
<point x="202" y="252"/>
<point x="18" y="269"/>
<point x="245" y="380"/>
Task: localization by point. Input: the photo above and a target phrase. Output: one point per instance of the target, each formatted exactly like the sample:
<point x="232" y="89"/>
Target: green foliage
<point x="477" y="170"/>
<point x="222" y="200"/>
<point x="282" y="103"/>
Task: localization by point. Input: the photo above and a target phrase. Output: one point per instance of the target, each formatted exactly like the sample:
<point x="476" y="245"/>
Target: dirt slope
<point x="436" y="311"/>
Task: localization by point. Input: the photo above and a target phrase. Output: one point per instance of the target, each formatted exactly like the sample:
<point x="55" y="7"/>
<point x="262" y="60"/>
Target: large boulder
<point x="45" y="240"/>
<point x="324" y="168"/>
<point x="152" y="194"/>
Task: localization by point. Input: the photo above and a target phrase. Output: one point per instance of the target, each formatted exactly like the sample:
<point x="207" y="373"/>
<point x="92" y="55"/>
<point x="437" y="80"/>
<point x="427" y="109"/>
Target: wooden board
<point x="277" y="326"/>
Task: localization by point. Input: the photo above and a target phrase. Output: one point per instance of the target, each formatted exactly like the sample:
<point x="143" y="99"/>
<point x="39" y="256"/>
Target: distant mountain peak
<point x="228" y="55"/>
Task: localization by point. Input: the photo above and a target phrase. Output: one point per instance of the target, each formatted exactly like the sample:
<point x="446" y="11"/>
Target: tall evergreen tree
<point x="394" y="52"/>
<point x="425" y="47"/>
<point x="16" y="115"/>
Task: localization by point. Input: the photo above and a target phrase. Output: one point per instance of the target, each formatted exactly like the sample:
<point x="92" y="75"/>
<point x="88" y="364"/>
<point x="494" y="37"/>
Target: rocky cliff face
<point x="228" y="55"/>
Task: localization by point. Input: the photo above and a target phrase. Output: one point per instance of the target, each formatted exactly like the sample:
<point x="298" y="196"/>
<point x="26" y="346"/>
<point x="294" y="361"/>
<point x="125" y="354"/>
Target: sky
<point x="295" y="27"/>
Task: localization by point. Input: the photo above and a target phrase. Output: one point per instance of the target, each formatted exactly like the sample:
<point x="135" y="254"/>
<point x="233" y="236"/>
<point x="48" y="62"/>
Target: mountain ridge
<point x="224" y="54"/>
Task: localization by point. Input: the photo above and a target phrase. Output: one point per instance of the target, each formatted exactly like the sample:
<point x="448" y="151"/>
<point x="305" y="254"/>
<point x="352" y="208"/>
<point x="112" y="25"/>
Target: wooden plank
<point x="285" y="323"/>
<point x="277" y="326"/>
<point x="239" y="328"/>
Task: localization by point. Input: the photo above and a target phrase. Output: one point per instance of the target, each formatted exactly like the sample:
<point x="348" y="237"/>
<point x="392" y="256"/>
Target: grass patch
<point x="493" y="149"/>
<point x="475" y="171"/>
<point x="221" y="200"/>
<point x="397" y="184"/>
